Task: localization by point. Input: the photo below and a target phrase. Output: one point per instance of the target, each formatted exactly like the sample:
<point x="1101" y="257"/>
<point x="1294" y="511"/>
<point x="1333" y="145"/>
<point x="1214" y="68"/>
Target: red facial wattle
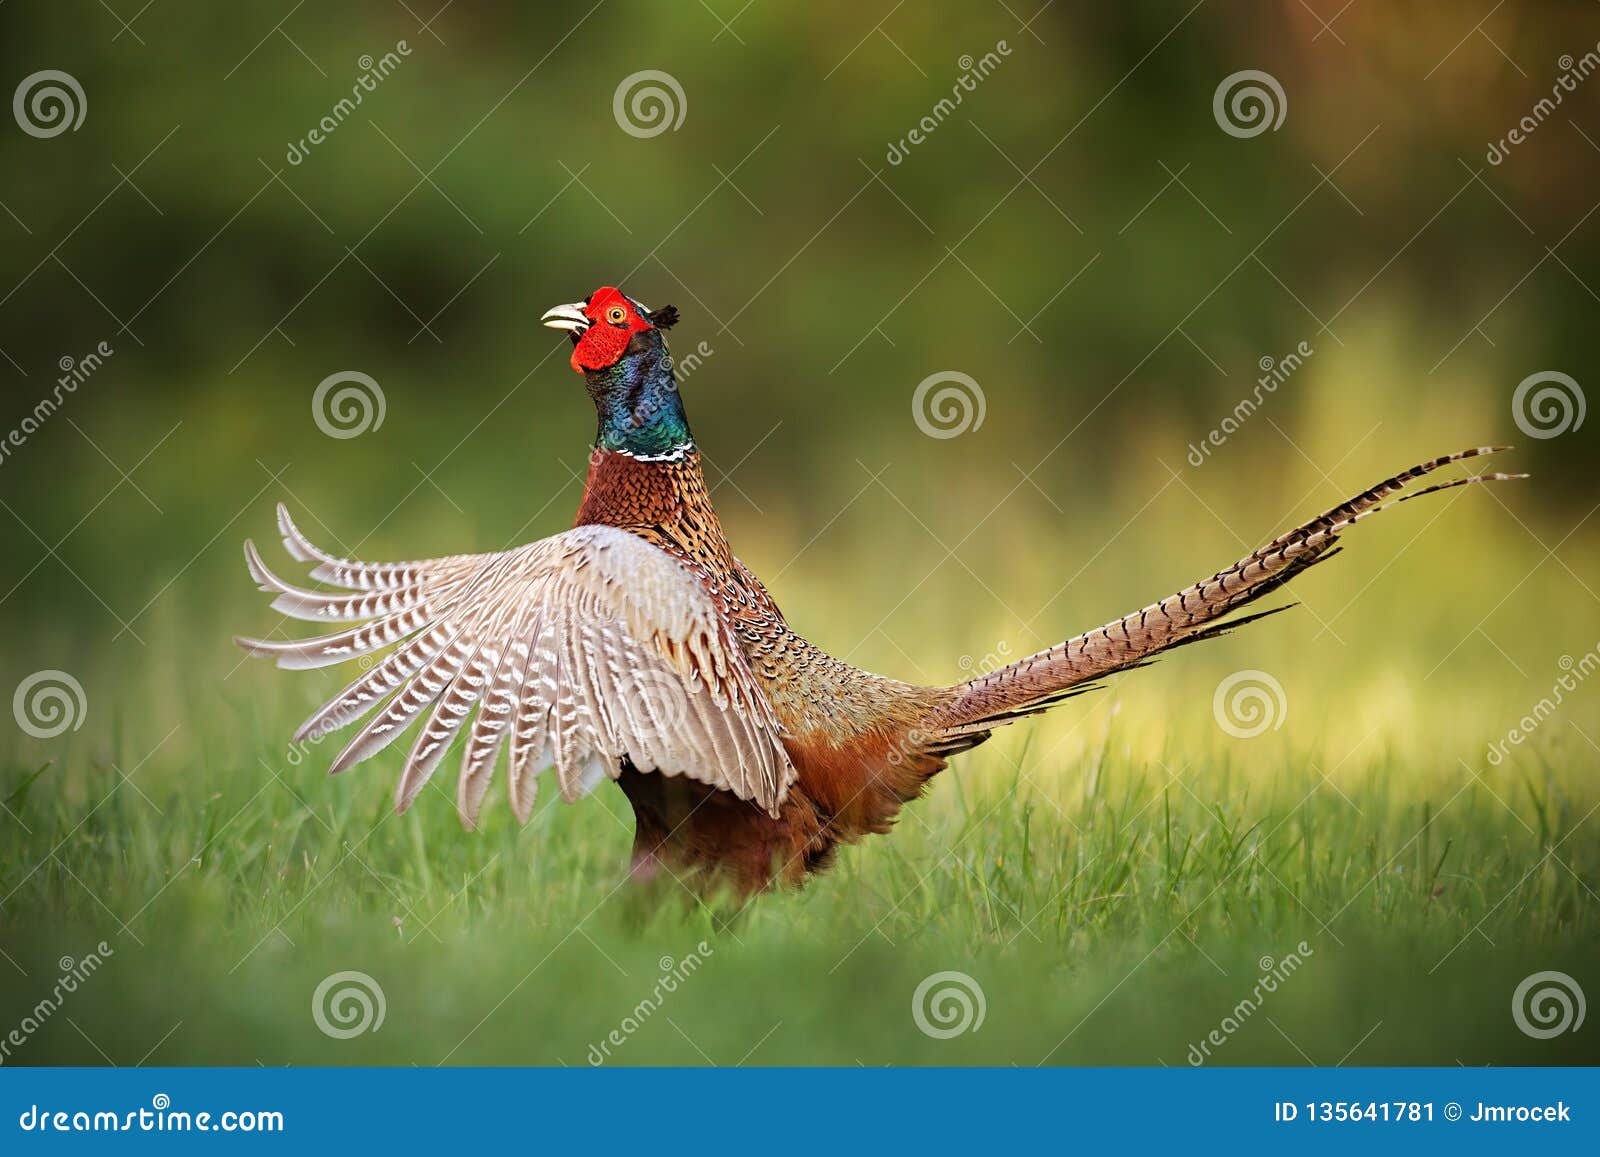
<point x="613" y="321"/>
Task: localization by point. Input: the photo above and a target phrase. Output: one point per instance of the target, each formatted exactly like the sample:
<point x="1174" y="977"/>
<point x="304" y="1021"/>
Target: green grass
<point x="1113" y="909"/>
<point x="1111" y="876"/>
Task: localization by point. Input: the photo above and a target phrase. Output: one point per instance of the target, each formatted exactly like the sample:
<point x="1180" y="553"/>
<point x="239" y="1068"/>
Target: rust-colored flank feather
<point x="636" y="647"/>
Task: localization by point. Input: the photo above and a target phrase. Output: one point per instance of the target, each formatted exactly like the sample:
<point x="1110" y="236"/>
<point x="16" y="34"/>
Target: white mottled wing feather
<point x="579" y="651"/>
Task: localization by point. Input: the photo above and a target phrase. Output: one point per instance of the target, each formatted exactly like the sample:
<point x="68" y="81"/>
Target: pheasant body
<point x="637" y="647"/>
<point x="845" y="729"/>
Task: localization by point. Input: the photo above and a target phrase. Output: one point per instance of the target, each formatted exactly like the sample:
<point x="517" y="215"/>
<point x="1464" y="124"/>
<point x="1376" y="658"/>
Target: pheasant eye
<point x="616" y="315"/>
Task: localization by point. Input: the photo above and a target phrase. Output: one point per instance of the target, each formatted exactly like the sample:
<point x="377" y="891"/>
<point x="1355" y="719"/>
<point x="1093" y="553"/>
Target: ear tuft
<point x="664" y="318"/>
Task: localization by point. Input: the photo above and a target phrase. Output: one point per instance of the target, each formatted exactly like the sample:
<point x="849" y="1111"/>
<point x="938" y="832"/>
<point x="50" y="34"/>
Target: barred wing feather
<point x="579" y="651"/>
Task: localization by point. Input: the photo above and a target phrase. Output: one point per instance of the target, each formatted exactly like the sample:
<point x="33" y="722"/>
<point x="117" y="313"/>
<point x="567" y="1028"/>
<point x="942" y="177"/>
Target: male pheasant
<point x="637" y="647"/>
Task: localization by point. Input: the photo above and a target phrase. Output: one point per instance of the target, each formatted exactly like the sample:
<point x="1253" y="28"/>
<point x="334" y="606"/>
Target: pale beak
<point x="567" y="317"/>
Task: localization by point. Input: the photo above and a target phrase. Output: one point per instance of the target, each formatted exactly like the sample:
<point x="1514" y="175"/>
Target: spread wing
<point x="576" y="651"/>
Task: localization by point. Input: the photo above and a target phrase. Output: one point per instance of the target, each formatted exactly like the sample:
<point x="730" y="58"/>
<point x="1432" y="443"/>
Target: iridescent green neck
<point x="637" y="400"/>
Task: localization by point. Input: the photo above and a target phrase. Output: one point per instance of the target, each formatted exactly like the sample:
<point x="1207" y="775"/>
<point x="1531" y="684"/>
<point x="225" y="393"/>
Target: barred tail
<point x="1031" y="685"/>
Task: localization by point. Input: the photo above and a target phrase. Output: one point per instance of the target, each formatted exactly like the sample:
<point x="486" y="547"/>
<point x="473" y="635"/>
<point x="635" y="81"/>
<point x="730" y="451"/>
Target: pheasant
<point x="637" y="647"/>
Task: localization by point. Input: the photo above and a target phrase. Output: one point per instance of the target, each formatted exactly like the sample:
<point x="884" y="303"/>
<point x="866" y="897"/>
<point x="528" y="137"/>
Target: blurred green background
<point x="1080" y="236"/>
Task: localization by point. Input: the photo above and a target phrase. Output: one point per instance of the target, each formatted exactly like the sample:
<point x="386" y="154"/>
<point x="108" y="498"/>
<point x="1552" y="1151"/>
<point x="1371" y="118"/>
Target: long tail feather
<point x="1030" y="685"/>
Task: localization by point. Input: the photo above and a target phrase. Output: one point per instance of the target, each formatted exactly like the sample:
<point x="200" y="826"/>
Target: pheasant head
<point x="619" y="348"/>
